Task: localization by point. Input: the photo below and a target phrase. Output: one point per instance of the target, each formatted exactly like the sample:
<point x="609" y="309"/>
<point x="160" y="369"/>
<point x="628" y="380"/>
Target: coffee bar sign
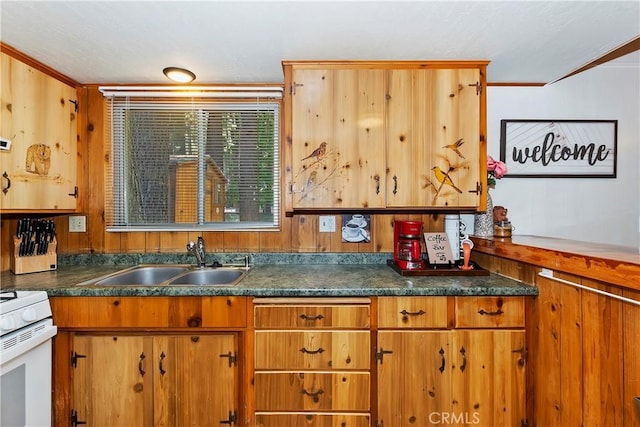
<point x="559" y="148"/>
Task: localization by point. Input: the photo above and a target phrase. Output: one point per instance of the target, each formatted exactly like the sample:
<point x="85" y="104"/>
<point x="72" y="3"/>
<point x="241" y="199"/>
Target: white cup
<point x="357" y="219"/>
<point x="351" y="229"/>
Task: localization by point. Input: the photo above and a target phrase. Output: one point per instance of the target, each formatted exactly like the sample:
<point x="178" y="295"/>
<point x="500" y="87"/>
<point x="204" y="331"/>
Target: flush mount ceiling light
<point x="179" y="75"/>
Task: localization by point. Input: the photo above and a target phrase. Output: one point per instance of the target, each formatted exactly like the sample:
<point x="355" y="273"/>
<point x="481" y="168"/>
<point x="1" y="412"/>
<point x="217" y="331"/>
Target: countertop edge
<point x="593" y="261"/>
<point x="312" y="280"/>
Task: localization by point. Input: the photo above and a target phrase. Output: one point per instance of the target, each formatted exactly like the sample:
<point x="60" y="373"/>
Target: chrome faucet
<point x="197" y="249"/>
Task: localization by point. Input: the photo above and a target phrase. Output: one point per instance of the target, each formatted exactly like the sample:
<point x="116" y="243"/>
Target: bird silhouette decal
<point x="444" y="178"/>
<point x="318" y="152"/>
<point x="455" y="147"/>
<point x="313" y="176"/>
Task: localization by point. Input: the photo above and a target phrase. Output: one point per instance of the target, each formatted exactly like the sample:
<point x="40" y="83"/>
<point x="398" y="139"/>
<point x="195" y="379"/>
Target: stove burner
<point x="8" y="295"/>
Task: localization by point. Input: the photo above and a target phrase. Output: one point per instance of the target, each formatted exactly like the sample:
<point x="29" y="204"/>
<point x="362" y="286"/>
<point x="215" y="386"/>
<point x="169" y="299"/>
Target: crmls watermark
<point x="453" y="418"/>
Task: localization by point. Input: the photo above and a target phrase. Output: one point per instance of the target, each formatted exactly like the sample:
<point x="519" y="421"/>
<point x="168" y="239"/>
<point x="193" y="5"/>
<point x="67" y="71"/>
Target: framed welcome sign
<point x="559" y="148"/>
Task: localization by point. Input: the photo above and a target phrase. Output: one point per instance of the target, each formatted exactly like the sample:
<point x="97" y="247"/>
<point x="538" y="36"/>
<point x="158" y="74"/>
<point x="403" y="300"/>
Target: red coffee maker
<point x="407" y="243"/>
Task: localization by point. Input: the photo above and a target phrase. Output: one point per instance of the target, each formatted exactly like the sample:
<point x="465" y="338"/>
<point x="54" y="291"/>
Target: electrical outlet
<point x="327" y="223"/>
<point x="77" y="224"/>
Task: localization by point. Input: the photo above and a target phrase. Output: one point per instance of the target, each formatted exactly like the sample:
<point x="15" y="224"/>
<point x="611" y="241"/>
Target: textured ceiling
<point x="241" y="41"/>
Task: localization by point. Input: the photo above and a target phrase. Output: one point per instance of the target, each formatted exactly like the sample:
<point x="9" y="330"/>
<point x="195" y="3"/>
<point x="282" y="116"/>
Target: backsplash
<point x="226" y="258"/>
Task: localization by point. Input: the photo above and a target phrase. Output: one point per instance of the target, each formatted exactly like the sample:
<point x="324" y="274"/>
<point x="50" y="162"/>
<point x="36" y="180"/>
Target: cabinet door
<point x="37" y="115"/>
<point x="488" y="360"/>
<point x="414" y="377"/>
<point x="194" y="380"/>
<point x="112" y="380"/>
<point x="433" y="146"/>
<point x="338" y="138"/>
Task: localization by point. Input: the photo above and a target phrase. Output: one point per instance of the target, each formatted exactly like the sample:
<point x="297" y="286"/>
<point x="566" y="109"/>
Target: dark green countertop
<point x="278" y="280"/>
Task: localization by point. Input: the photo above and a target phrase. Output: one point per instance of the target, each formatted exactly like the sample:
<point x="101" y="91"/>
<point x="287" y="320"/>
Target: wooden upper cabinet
<point x="38" y="116"/>
<point x="433" y="120"/>
<point x="367" y="135"/>
<point x="338" y="138"/>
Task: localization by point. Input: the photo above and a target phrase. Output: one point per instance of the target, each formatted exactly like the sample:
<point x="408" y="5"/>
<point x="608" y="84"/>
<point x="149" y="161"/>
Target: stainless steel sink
<point x="142" y="275"/>
<point x="207" y="276"/>
<point x="172" y="275"/>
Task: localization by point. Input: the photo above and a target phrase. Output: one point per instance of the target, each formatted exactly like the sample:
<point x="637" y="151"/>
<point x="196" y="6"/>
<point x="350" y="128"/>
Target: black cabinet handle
<point x="311" y="318"/>
<point x="141" y="364"/>
<point x="490" y="313"/>
<point x="161" y="365"/>
<point x="315" y="396"/>
<point x="464" y="359"/>
<point x="318" y="351"/>
<point x="442" y="360"/>
<point x="413" y="313"/>
<point x="6" y="176"/>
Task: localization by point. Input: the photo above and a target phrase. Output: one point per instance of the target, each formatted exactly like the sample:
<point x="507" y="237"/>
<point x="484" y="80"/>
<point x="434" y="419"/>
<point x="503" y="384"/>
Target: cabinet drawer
<point x="412" y="312"/>
<point x="312" y="316"/>
<point x="489" y="312"/>
<point x="312" y="391"/>
<point x="149" y="312"/>
<point x="312" y="420"/>
<point x="312" y="350"/>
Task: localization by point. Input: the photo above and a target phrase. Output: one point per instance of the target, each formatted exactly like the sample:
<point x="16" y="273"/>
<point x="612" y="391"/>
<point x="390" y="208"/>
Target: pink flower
<point x="499" y="170"/>
<point x="495" y="170"/>
<point x="491" y="163"/>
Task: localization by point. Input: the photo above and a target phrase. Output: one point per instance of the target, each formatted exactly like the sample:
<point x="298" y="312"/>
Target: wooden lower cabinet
<point x="439" y="360"/>
<point x="163" y="380"/>
<point x="312" y="362"/>
<point x="433" y="371"/>
<point x="451" y="378"/>
<point x="149" y="361"/>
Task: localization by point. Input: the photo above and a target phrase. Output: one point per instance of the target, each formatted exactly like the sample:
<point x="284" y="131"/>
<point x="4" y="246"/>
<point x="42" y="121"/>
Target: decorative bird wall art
<point x="318" y="153"/>
<point x="316" y="169"/>
<point x="455" y="147"/>
<point x="442" y="176"/>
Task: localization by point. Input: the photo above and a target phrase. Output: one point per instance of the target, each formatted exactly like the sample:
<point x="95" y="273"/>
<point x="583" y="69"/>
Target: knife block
<point x="33" y="263"/>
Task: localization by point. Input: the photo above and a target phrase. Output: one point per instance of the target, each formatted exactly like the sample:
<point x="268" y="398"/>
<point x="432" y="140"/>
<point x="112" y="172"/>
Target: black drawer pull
<point x="491" y="313"/>
<point x="315" y="395"/>
<point x="412" y="313"/>
<point x="318" y="351"/>
<point x="311" y="318"/>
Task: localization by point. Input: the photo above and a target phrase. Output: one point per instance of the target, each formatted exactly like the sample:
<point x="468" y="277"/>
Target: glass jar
<point x="502" y="229"/>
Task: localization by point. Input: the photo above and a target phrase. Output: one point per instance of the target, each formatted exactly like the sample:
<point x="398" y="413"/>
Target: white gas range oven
<point x="26" y="330"/>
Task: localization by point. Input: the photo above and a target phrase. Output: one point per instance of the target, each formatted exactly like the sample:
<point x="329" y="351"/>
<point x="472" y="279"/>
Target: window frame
<point x="267" y="97"/>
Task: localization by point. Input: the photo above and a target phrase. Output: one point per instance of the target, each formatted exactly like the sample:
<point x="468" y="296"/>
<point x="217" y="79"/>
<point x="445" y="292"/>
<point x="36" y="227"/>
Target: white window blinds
<point x="205" y="160"/>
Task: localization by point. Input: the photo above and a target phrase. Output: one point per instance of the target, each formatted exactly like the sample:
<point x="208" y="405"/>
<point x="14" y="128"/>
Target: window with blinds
<point x="204" y="160"/>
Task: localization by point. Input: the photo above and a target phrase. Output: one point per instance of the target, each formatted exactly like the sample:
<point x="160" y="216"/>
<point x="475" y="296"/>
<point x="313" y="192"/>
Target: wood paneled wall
<point x="298" y="233"/>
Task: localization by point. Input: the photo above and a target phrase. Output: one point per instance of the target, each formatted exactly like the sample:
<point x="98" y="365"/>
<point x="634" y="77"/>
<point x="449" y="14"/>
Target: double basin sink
<point x="172" y="275"/>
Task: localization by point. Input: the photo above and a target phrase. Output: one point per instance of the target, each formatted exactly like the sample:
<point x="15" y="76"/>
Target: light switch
<point x="77" y="224"/>
<point x="327" y="223"/>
